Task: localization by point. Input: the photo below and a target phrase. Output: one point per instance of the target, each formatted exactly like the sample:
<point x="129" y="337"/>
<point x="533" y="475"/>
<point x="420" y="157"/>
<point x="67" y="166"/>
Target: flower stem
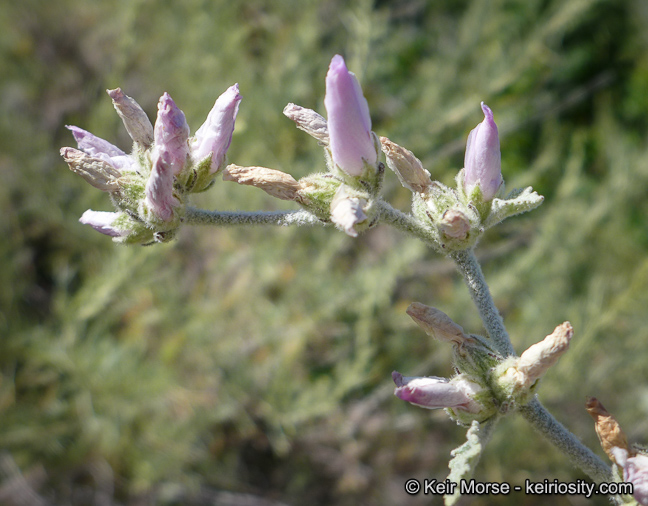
<point x="534" y="412"/>
<point x="556" y="433"/>
<point x="481" y="296"/>
<point x="405" y="222"/>
<point x="195" y="216"/>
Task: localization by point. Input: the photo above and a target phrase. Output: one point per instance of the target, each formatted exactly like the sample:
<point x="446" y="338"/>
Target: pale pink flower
<point x="215" y="134"/>
<point x="433" y="392"/>
<point x="635" y="471"/>
<point x="349" y="123"/>
<point x="171" y="134"/>
<point x="483" y="160"/>
<point x="102" y="221"/>
<point x="100" y="148"/>
<point x="159" y="187"/>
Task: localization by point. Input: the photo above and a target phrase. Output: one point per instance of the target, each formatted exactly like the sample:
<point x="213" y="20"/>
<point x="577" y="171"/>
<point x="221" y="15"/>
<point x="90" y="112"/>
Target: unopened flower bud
<point x="171" y="134"/>
<point x="93" y="145"/>
<point x="308" y="121"/>
<point x="436" y="323"/>
<point x="96" y="171"/>
<point x="215" y="135"/>
<point x="635" y="471"/>
<point x="103" y="222"/>
<point x="159" y="187"/>
<point x="347" y="211"/>
<point x="135" y="119"/>
<point x="274" y="182"/>
<point x="483" y="160"/>
<point x="407" y="167"/>
<point x="607" y="428"/>
<point x="433" y="392"/>
<point x="535" y="361"/>
<point x="349" y="124"/>
<point x="455" y="224"/>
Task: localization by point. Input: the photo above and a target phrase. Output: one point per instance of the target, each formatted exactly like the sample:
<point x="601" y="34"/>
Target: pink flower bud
<point x="159" y="187"/>
<point x="483" y="160"/>
<point x="215" y="134"/>
<point x="171" y="134"/>
<point x="102" y="222"/>
<point x="93" y="145"/>
<point x="433" y="392"/>
<point x="349" y="123"/>
<point x="100" y="148"/>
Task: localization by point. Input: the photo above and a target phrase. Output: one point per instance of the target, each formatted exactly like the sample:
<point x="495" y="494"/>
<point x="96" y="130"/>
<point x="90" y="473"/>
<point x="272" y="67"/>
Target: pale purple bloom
<point x="349" y="123"/>
<point x="100" y="148"/>
<point x="483" y="160"/>
<point x="135" y="119"/>
<point x="171" y="134"/>
<point x="635" y="471"/>
<point x="102" y="221"/>
<point x="215" y="134"/>
<point x="122" y="162"/>
<point x="159" y="187"/>
<point x="92" y="144"/>
<point x="433" y="392"/>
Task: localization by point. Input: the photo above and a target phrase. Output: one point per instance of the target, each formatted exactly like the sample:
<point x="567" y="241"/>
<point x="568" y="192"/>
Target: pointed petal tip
<point x="488" y="113"/>
<point x="337" y="67"/>
<point x="397" y="378"/>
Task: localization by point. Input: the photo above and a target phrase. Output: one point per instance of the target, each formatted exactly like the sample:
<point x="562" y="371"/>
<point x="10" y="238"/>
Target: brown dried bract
<point x="99" y="173"/>
<point x="273" y="182"/>
<point x="407" y="167"/>
<point x="607" y="428"/>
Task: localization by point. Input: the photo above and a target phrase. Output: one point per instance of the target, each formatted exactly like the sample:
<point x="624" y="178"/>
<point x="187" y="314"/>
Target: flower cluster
<point x="457" y="217"/>
<point x="346" y="195"/>
<point x="486" y="383"/>
<point x="149" y="186"/>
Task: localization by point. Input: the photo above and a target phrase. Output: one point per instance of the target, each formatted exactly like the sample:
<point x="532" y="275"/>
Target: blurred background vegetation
<point x="252" y="366"/>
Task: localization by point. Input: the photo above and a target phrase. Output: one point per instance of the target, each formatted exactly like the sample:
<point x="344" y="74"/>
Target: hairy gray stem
<point x="481" y="296"/>
<point x="405" y="222"/>
<point x="196" y="216"/>
<point x="556" y="433"/>
<point x="467" y="263"/>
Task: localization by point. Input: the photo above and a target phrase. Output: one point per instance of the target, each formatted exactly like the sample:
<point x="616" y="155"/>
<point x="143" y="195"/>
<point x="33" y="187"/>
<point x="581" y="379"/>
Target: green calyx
<point x="457" y="220"/>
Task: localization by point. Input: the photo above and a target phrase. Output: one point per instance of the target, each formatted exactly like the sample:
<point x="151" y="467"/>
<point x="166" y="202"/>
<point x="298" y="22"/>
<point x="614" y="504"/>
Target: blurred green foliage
<point x="258" y="361"/>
